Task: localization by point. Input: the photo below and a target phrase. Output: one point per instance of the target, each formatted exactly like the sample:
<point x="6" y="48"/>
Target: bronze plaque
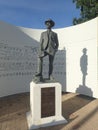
<point x="47" y="102"/>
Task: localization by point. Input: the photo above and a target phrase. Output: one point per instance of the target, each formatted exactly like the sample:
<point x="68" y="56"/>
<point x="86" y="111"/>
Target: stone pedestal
<point x="45" y="105"/>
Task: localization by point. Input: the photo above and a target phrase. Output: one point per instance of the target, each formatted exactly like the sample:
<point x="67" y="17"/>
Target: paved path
<point x="80" y="111"/>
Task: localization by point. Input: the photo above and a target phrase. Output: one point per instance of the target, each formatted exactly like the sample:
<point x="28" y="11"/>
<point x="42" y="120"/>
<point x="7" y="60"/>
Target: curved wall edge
<point x="75" y="65"/>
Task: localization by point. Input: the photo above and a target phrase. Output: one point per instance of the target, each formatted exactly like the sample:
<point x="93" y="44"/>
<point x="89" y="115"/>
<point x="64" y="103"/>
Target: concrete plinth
<point x="45" y="105"/>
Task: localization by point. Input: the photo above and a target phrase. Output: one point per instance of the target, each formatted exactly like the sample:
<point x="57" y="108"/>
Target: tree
<point x="88" y="10"/>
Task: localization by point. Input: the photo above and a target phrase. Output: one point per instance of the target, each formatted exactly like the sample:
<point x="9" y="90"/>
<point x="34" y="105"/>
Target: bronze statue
<point x="48" y="47"/>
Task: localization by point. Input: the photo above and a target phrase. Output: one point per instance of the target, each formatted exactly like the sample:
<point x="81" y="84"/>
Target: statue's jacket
<point x="48" y="43"/>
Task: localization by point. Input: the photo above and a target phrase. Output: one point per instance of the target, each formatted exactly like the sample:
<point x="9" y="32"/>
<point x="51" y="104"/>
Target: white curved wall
<point x="18" y="58"/>
<point x="75" y="39"/>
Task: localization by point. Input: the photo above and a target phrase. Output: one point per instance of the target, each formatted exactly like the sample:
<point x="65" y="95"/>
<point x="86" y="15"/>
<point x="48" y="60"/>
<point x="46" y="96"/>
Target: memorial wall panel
<point x="18" y="58"/>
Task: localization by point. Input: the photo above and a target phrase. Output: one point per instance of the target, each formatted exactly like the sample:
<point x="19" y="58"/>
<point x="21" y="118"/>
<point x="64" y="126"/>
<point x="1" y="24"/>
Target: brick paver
<point x="80" y="111"/>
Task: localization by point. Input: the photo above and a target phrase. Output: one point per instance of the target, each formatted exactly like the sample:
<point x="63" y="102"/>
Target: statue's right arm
<point x="41" y="41"/>
<point x="41" y="45"/>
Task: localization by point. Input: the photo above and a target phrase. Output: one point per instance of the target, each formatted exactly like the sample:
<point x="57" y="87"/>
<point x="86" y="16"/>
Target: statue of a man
<point x="48" y="47"/>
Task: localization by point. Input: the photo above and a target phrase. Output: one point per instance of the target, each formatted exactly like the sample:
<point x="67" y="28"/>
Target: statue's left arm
<point x="56" y="41"/>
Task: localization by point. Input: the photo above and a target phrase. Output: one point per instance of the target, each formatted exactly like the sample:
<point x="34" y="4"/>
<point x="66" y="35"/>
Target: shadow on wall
<point x="83" y="89"/>
<point x="17" y="60"/>
<point x="16" y="35"/>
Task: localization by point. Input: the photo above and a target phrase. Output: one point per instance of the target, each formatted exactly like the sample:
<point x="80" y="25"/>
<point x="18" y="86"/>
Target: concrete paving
<point x="80" y="111"/>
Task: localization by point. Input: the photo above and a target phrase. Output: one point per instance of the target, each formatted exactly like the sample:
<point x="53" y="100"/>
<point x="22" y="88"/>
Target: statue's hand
<point x="41" y="55"/>
<point x="56" y="50"/>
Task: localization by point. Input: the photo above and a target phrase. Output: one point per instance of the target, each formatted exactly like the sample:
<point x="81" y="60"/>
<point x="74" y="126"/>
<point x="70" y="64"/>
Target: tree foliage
<point x="88" y="10"/>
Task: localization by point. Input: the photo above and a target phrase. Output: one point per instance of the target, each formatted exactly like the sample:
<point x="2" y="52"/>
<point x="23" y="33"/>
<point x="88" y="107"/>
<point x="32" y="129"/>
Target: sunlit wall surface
<point x="75" y="64"/>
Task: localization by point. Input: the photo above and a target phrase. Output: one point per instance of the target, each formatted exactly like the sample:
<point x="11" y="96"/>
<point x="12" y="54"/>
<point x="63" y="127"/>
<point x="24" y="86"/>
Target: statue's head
<point x="49" y="23"/>
<point x="84" y="50"/>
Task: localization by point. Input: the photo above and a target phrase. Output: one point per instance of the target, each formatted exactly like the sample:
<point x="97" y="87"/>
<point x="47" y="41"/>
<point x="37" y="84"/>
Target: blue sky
<point x="33" y="13"/>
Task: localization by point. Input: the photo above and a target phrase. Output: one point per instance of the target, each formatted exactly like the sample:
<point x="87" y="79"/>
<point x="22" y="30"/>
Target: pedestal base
<point x="45" y="105"/>
<point x="44" y="122"/>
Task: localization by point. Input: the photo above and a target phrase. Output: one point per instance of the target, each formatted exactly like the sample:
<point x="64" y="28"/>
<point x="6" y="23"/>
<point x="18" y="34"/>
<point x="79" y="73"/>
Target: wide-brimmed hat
<point x="51" y="21"/>
<point x="84" y="50"/>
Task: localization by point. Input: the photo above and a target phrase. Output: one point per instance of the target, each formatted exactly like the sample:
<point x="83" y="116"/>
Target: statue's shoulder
<point x="54" y="32"/>
<point x="44" y="32"/>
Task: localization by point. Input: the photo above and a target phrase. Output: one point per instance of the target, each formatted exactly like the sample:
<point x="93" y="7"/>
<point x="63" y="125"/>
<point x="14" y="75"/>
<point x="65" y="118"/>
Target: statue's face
<point x="48" y="25"/>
